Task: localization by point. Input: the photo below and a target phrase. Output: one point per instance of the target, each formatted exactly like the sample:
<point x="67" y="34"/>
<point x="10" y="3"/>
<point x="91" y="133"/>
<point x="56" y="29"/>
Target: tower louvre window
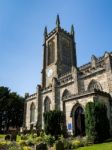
<point x="66" y="53"/>
<point x="51" y="52"/>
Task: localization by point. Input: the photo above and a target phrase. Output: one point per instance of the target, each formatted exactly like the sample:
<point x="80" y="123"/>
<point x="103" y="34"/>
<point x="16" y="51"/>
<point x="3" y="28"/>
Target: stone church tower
<point x="67" y="87"/>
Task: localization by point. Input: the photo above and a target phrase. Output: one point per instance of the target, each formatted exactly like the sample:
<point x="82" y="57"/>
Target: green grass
<point x="103" y="146"/>
<point x="2" y="136"/>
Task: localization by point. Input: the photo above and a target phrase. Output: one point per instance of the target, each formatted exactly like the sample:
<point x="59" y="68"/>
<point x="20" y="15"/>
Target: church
<point x="67" y="87"/>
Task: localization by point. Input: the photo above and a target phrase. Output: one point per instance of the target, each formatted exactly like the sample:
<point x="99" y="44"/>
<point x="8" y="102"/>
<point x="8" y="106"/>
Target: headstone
<point x="41" y="146"/>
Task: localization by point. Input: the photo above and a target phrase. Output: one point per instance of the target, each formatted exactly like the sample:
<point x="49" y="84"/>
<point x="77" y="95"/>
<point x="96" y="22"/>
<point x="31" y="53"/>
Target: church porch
<point x="74" y="108"/>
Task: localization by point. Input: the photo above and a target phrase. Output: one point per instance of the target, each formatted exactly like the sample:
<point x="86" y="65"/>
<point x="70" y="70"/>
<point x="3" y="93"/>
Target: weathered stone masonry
<point x="64" y="85"/>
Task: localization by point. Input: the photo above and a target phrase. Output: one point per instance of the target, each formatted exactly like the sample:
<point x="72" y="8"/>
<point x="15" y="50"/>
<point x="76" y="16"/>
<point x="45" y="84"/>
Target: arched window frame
<point x="47" y="103"/>
<point x="65" y="94"/>
<point x="94" y="85"/>
<point x="32" y="112"/>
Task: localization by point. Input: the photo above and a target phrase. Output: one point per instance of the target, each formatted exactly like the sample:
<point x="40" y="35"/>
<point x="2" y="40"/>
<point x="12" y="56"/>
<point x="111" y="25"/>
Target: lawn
<point x="2" y="136"/>
<point x="103" y="146"/>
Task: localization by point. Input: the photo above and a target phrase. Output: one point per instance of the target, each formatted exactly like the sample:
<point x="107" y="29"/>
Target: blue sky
<point x="21" y="35"/>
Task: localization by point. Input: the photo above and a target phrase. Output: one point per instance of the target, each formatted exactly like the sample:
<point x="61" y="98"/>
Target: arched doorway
<point x="78" y="121"/>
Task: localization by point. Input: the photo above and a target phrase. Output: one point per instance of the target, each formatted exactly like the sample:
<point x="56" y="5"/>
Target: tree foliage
<point x="96" y="121"/>
<point x="54" y="122"/>
<point x="11" y="109"/>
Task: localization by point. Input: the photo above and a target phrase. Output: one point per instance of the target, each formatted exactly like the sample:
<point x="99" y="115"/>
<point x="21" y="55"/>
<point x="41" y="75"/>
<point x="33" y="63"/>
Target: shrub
<point x="76" y="143"/>
<point x="24" y="137"/>
<point x="13" y="146"/>
<point x="55" y="119"/>
<point x="3" y="145"/>
<point x="26" y="148"/>
<point x="96" y="121"/>
<point x="85" y="141"/>
<point x="34" y="135"/>
<point x="29" y="142"/>
<point x="38" y="139"/>
<point x="22" y="142"/>
<point x="50" y="140"/>
<point x="67" y="144"/>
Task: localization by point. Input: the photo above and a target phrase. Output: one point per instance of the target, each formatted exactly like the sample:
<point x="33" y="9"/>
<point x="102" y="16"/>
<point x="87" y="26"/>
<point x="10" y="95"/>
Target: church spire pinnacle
<point x="72" y="30"/>
<point x="58" y="21"/>
<point x="45" y="32"/>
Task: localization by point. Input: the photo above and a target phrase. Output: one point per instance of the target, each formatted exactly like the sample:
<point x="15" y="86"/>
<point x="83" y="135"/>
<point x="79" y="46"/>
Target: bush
<point x="26" y="148"/>
<point x="76" y="143"/>
<point x="38" y="139"/>
<point x="29" y="142"/>
<point x="55" y="119"/>
<point x="22" y="142"/>
<point x="3" y="145"/>
<point x="50" y="140"/>
<point x="34" y="135"/>
<point x="24" y="137"/>
<point x="96" y="121"/>
<point x="13" y="146"/>
<point x="85" y="141"/>
<point x="67" y="144"/>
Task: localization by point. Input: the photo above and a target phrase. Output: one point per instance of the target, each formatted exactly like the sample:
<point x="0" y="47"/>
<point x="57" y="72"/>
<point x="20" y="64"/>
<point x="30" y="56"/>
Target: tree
<point x="11" y="109"/>
<point x="102" y="123"/>
<point x="54" y="122"/>
<point x="15" y="110"/>
<point x="96" y="121"/>
<point x="4" y="95"/>
<point x="90" y="119"/>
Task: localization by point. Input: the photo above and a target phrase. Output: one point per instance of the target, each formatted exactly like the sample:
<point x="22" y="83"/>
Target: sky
<point x="22" y="24"/>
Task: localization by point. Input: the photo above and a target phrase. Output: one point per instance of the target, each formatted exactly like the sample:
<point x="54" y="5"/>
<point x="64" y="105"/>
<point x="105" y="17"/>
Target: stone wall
<point x="28" y="105"/>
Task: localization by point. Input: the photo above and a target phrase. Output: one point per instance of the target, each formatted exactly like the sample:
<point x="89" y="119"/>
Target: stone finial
<point x="58" y="21"/>
<point x="72" y="30"/>
<point x="93" y="61"/>
<point x="26" y="95"/>
<point x="93" y="57"/>
<point x="106" y="54"/>
<point x="45" y="33"/>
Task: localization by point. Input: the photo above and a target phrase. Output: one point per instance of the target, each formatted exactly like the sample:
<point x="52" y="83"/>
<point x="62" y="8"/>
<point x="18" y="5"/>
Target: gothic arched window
<point x="94" y="85"/>
<point x="51" y="52"/>
<point x="32" y="113"/>
<point x="47" y="105"/>
<point x="66" y="94"/>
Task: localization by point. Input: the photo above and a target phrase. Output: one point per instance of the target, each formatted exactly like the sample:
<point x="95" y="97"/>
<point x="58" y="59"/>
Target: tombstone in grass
<point x="59" y="145"/>
<point x="7" y="137"/>
<point x="13" y="136"/>
<point x="41" y="146"/>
